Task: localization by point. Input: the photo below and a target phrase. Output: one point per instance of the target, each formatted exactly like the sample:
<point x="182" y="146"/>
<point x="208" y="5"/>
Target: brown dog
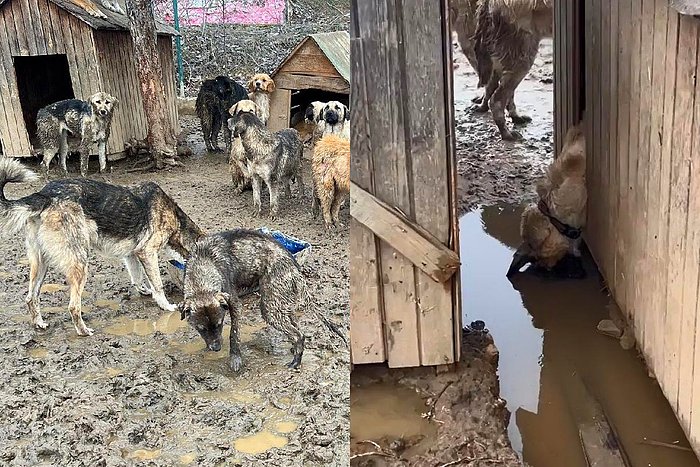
<point x="330" y="168"/>
<point x="260" y="87"/>
<point x="552" y="228"/>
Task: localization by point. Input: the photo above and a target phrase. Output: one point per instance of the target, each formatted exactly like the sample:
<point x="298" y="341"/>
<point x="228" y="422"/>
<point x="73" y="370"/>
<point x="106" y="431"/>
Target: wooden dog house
<point x="59" y="49"/>
<point x="317" y="69"/>
<point x="405" y="306"/>
<point x="633" y="66"/>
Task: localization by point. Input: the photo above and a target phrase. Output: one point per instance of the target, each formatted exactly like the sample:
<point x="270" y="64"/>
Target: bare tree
<point x="161" y="138"/>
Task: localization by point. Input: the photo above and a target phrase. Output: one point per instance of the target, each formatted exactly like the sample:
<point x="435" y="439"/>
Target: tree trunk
<point x="161" y="138"/>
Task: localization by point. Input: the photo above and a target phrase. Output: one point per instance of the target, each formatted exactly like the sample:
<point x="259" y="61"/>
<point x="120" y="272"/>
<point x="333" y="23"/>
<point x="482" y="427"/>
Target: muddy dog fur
<point x="67" y="219"/>
<point x="273" y="158"/>
<point x="90" y="120"/>
<point x="225" y="265"/>
<point x="214" y="99"/>
<point x="563" y="195"/>
<point x="463" y="15"/>
<point x="260" y="87"/>
<point x="330" y="169"/>
<point x="336" y="118"/>
<point x="237" y="160"/>
<point x="506" y="42"/>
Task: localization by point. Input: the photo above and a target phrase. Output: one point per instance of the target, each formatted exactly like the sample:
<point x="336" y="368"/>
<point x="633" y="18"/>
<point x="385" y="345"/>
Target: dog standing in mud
<point x="551" y="229"/>
<point x="240" y="175"/>
<point x="273" y="158"/>
<point x="330" y="168"/>
<point x="223" y="266"/>
<point x="67" y="219"/>
<point x="260" y="87"/>
<point x="214" y="99"/>
<point x="506" y="43"/>
<point x="89" y="120"/>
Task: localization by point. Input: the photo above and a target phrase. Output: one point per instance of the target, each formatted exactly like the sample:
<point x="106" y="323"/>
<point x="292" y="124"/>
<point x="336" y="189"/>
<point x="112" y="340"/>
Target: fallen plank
<point x="409" y="239"/>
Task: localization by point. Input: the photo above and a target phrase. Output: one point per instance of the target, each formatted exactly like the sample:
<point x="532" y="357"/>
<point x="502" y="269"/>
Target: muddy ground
<point x="142" y="390"/>
<point x="468" y="423"/>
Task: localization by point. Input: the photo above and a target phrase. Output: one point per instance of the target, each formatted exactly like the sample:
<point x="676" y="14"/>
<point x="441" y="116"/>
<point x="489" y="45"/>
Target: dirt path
<point x="468" y="419"/>
<point x="142" y="391"/>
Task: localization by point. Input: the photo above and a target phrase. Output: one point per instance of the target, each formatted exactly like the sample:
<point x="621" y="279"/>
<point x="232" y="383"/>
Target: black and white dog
<point x="90" y="120"/>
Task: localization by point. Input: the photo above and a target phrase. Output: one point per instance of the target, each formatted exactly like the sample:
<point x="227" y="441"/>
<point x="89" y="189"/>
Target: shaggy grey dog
<point x="89" y="120"/>
<point x="222" y="267"/>
<point x="214" y="99"/>
<point x="273" y="158"/>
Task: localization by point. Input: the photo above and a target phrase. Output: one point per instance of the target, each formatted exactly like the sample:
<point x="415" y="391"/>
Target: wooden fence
<point x="405" y="303"/>
<point x="642" y="122"/>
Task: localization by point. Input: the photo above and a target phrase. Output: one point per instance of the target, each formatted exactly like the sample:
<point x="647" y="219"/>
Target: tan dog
<point x="240" y="175"/>
<point x="260" y="87"/>
<point x="330" y="167"/>
<point x="552" y="228"/>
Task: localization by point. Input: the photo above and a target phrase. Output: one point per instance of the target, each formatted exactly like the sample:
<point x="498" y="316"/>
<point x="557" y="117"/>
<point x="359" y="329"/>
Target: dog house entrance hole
<point x="41" y="80"/>
<point x="302" y="99"/>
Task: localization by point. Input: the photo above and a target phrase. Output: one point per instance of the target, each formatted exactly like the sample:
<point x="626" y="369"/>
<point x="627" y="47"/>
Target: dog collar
<point x="564" y="229"/>
<point x="177" y="264"/>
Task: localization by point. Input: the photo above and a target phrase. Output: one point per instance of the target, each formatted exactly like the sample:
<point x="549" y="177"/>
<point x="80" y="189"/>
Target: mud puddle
<point x="388" y="413"/>
<point x="546" y="334"/>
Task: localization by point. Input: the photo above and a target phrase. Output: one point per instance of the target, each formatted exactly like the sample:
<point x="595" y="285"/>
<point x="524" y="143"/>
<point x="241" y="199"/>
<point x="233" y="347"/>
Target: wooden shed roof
<point x="335" y="46"/>
<point x="98" y="17"/>
<point x="686" y="7"/>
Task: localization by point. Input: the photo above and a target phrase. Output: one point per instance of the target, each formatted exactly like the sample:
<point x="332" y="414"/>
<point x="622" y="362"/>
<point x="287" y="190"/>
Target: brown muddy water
<point x="546" y="333"/>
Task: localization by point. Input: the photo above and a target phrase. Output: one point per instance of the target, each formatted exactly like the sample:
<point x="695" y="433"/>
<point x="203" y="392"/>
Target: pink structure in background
<point x="197" y="12"/>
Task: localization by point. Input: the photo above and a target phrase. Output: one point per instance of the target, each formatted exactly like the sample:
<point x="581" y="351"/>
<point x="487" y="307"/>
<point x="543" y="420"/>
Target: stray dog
<point x="237" y="160"/>
<point x="225" y="265"/>
<point x="551" y="229"/>
<point x="214" y="99"/>
<point x="506" y="42"/>
<point x="68" y="218"/>
<point x="273" y="158"/>
<point x="330" y="168"/>
<point x="89" y="120"/>
<point x="312" y="118"/>
<point x="260" y="87"/>
<point x="336" y="118"/>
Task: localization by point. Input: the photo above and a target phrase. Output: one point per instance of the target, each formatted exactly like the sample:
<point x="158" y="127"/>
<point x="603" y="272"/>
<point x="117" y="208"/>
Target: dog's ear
<point x="231" y="122"/>
<point x="347" y="112"/>
<point x="115" y="102"/>
<point x="250" y="84"/>
<point x="232" y="110"/>
<point x="271" y="86"/>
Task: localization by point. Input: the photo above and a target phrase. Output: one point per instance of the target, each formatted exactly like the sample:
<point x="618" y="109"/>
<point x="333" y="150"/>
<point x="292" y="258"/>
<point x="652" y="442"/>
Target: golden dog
<point x="260" y="87"/>
<point x="330" y="167"/>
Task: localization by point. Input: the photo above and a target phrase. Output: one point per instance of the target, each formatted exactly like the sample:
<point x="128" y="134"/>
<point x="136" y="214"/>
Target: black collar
<point x="564" y="229"/>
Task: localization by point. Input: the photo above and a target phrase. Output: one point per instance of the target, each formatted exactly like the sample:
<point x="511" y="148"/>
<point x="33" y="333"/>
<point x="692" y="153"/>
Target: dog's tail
<point x="13" y="214"/>
<point x="310" y="306"/>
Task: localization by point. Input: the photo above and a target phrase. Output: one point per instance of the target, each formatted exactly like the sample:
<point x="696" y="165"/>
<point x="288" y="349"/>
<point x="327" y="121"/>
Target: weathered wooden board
<point x="298" y="81"/>
<point x="280" y="102"/>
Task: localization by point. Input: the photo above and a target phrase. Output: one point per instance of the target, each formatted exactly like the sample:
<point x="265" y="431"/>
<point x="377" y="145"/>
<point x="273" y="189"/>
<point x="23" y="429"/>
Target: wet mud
<point x="142" y="390"/>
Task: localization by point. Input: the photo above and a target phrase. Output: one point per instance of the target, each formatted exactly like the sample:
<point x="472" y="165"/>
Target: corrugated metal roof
<point x="98" y="17"/>
<point x="334" y="45"/>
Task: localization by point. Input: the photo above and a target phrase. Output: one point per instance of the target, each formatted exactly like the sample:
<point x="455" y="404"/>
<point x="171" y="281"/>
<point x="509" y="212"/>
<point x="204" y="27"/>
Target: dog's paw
<point x="479" y="108"/>
<point x="40" y="323"/>
<point x="170" y="307"/>
<point x="235" y="363"/>
<point x="294" y="364"/>
<point x="84" y="331"/>
<point x="521" y="119"/>
<point x="144" y="290"/>
<point x="511" y="136"/>
<point x="477" y="99"/>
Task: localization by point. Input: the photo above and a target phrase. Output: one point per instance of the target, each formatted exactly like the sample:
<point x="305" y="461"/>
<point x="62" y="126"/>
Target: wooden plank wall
<point x="643" y="147"/>
<point x="39" y="27"/>
<point x="400" y="155"/>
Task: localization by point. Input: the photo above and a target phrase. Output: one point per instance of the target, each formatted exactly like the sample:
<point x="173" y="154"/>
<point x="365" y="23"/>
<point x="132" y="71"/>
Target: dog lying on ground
<point x="336" y="118"/>
<point x="330" y="168"/>
<point x="89" y="120"/>
<point x="66" y="219"/>
<point x="237" y="160"/>
<point x="273" y="158"/>
<point x="224" y="265"/>
<point x="214" y="98"/>
<point x="506" y="42"/>
<point x="551" y="229"/>
<point x="260" y="87"/>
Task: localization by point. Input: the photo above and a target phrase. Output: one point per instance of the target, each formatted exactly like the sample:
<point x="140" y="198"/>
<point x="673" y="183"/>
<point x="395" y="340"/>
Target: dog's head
<point x="241" y="121"/>
<point x="313" y="112"/>
<point x="103" y="104"/>
<point x="335" y="112"/>
<point x="223" y="87"/>
<point x="244" y="106"/>
<point x="206" y="314"/>
<point x="261" y="82"/>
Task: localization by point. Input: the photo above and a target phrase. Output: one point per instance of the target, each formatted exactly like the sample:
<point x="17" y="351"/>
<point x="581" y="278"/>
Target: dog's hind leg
<point x="326" y="196"/>
<point x="76" y="278"/>
<point x="206" y="131"/>
<point x="513" y="112"/>
<point x="63" y="151"/>
<point x="335" y="207"/>
<point x="506" y="89"/>
<point x="84" y="156"/>
<point x="37" y="274"/>
<point x="215" y="129"/>
<point x="149" y="260"/>
<point x="274" y="189"/>
<point x="138" y="280"/>
<point x="256" y="182"/>
<point x="483" y="105"/>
